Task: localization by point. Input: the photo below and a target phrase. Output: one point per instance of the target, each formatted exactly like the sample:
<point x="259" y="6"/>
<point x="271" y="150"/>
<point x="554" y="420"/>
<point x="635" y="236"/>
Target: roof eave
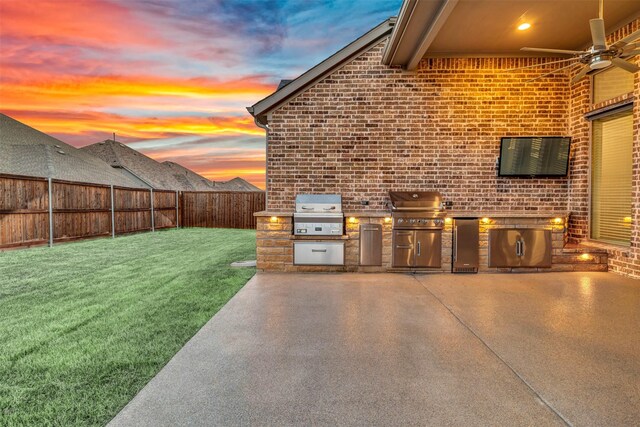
<point x="260" y="109"/>
<point x="418" y="25"/>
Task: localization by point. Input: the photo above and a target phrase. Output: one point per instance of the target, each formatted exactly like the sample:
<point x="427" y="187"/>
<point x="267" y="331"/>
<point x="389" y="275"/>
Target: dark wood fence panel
<point x="221" y="209"/>
<point x="132" y="210"/>
<point x="164" y="209"/>
<point x="80" y="210"/>
<point x="24" y="211"/>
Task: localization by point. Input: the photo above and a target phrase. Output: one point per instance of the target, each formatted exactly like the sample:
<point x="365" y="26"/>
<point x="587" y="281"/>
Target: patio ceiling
<point x="489" y="27"/>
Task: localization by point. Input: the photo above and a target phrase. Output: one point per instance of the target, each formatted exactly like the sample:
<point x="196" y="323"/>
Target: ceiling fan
<point x="599" y="56"/>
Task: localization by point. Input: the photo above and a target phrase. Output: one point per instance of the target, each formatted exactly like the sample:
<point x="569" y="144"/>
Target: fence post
<point x="50" y="214"/>
<point x="177" y="216"/>
<point x="153" y="224"/>
<point x="113" y="215"/>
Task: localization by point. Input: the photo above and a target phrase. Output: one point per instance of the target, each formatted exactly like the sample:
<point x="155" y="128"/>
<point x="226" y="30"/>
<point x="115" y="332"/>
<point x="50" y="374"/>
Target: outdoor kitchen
<point x="415" y="234"/>
<point x="384" y="158"/>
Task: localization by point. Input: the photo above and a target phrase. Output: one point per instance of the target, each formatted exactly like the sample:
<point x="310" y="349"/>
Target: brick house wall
<point x="622" y="260"/>
<point x="367" y="129"/>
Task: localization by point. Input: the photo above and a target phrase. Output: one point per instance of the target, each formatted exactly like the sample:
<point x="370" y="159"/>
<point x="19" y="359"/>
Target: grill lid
<point x="415" y="200"/>
<point x="319" y="203"/>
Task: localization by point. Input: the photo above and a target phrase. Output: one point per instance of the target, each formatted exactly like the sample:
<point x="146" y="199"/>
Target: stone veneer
<point x="275" y="245"/>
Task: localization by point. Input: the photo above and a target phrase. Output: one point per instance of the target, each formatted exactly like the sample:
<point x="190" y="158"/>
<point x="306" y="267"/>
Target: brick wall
<point x="621" y="260"/>
<point x="367" y="129"/>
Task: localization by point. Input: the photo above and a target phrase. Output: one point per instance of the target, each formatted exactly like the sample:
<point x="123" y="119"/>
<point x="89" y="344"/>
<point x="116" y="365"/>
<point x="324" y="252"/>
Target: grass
<point x="84" y="326"/>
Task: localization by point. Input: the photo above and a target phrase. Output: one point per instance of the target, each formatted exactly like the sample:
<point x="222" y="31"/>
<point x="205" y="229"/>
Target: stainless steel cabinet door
<point x="503" y="245"/>
<point x="536" y="248"/>
<point x="403" y="246"/>
<point x="428" y="248"/>
<point x="520" y="247"/>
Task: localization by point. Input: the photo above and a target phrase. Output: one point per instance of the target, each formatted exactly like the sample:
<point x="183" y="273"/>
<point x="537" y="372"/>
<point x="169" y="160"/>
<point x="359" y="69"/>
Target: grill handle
<point x="318" y="250"/>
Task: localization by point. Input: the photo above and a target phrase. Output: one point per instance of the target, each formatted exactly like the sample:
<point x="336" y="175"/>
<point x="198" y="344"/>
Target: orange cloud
<point x="86" y="22"/>
<point x="91" y="123"/>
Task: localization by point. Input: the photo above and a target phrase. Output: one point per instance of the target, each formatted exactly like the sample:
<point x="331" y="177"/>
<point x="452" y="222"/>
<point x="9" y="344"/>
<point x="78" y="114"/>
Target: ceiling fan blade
<point x="551" y="72"/>
<point x="628" y="66"/>
<point x="565" y="52"/>
<point x="542" y="64"/>
<point x="631" y="37"/>
<point x="597" y="33"/>
<point x="630" y="53"/>
<point x="581" y="74"/>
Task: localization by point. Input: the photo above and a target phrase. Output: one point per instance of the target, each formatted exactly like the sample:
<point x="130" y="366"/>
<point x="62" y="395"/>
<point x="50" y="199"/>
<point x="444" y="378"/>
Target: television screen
<point x="534" y="156"/>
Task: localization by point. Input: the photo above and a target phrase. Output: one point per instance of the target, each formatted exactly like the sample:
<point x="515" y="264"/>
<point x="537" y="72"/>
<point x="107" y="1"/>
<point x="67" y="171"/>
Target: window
<point x="611" y="83"/>
<point x="611" y="178"/>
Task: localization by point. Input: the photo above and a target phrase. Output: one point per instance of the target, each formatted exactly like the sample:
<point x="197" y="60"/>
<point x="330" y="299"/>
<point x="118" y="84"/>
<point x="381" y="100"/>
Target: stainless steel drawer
<point x="318" y="253"/>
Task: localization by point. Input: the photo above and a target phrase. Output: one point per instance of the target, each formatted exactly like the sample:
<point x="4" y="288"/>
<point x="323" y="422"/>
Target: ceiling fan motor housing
<point x="601" y="60"/>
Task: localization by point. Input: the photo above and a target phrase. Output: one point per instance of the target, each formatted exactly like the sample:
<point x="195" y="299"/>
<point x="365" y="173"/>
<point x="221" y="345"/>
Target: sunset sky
<point x="171" y="78"/>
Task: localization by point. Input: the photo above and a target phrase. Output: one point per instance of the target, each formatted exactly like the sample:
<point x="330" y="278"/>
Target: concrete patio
<point x="392" y="349"/>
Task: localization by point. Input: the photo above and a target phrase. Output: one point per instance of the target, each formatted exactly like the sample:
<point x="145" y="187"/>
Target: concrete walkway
<point x="391" y="349"/>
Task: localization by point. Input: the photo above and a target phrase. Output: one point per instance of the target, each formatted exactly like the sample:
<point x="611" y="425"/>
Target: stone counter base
<point x="274" y="241"/>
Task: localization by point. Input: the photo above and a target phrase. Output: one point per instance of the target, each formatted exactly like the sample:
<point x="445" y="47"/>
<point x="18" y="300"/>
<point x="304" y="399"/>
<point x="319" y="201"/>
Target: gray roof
<point x="155" y="174"/>
<point x="260" y="109"/>
<point x="238" y="184"/>
<point x="27" y="151"/>
<point x="189" y="177"/>
<point x="162" y="176"/>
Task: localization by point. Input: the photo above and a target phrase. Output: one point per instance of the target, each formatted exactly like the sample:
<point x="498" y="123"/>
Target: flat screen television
<point x="546" y="156"/>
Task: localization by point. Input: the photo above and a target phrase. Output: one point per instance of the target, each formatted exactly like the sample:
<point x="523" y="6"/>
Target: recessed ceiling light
<point x="524" y="26"/>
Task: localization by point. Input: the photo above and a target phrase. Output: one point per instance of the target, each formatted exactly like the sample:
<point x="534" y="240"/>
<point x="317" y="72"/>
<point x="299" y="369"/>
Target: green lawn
<point x="84" y="326"/>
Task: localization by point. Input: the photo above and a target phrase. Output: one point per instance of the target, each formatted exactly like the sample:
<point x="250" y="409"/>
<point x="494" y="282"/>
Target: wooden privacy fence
<point x="221" y="209"/>
<point x="36" y="211"/>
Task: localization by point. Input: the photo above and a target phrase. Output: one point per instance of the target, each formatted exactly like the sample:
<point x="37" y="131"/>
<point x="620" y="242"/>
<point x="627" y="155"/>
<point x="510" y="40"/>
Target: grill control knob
<point x="438" y="222"/>
<point x="412" y="221"/>
<point x="400" y="220"/>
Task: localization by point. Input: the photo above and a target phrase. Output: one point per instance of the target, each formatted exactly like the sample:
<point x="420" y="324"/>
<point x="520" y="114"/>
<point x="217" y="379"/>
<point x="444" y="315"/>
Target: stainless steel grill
<point x="318" y="215"/>
<point x="418" y="218"/>
<point x="416" y="209"/>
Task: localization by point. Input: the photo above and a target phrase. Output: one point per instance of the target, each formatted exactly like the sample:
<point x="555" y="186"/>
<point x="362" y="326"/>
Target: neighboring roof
<point x="162" y="176"/>
<point x="189" y="177"/>
<point x="155" y="174"/>
<point x="283" y="83"/>
<point x="260" y="109"/>
<point x="237" y="184"/>
<point x="27" y="151"/>
<point x="488" y="27"/>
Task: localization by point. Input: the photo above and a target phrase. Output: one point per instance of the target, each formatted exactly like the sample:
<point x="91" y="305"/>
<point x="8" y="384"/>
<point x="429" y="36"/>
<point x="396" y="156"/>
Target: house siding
<point x="367" y="129"/>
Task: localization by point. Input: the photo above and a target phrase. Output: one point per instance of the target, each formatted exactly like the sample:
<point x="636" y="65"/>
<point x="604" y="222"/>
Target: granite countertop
<point x="452" y="213"/>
